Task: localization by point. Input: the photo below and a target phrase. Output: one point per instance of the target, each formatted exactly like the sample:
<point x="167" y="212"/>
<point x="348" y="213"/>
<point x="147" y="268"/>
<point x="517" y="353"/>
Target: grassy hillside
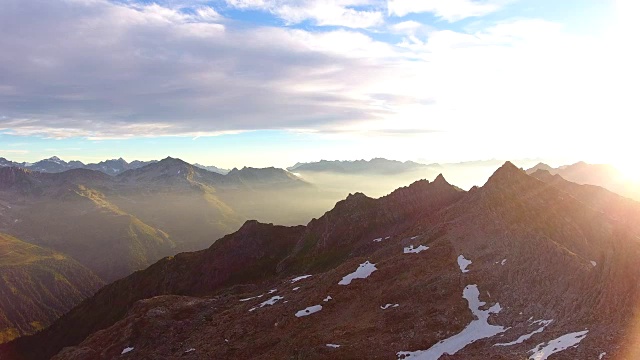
<point x="38" y="285"/>
<point x="81" y="222"/>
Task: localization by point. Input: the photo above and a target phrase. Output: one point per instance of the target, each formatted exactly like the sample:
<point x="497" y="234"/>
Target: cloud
<point x="449" y="10"/>
<point x="98" y="69"/>
<point x="346" y="13"/>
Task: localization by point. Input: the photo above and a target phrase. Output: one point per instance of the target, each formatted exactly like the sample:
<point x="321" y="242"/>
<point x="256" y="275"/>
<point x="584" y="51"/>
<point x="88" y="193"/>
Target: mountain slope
<point x="81" y="222"/>
<point x="255" y="253"/>
<point x="602" y="175"/>
<point x="547" y="265"/>
<point x="505" y="271"/>
<point x="116" y="225"/>
<point x="37" y="286"/>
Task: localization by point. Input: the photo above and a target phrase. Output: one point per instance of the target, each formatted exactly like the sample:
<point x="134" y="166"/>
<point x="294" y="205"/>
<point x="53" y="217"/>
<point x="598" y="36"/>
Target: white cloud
<point x="100" y="70"/>
<point x="409" y="27"/>
<point x="346" y="13"/>
<point x="450" y="10"/>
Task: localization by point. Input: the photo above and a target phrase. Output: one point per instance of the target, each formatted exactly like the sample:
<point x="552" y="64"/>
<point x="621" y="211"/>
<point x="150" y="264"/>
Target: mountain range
<point x="603" y="175"/>
<point x="111" y="167"/>
<point x="55" y="165"/>
<point x="115" y="225"/>
<point x="100" y="228"/>
<point x="523" y="267"/>
<point x="373" y="166"/>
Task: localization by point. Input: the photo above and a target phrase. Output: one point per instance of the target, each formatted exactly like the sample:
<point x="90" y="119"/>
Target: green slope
<point x="38" y="285"/>
<point x="84" y="224"/>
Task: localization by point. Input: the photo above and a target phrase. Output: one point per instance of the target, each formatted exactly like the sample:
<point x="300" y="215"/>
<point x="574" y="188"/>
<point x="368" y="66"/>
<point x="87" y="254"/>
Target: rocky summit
<point x="524" y="267"/>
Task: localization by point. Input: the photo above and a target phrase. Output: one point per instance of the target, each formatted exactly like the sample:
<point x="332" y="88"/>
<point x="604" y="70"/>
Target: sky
<point x="262" y="83"/>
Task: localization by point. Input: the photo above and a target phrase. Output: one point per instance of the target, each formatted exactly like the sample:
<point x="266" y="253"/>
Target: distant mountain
<point x="115" y="225"/>
<point x="55" y="165"/>
<point x="375" y="166"/>
<point x="263" y="177"/>
<point x="5" y="163"/>
<point x="603" y="175"/>
<point x="67" y="212"/>
<point x="211" y="168"/>
<point x="117" y="166"/>
<point x="539" y="166"/>
<point x="38" y="285"/>
<point x="518" y="268"/>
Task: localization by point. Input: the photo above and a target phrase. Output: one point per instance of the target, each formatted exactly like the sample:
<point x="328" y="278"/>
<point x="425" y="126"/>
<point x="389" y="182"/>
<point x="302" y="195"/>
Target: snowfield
<point x="269" y="302"/>
<point x="463" y="263"/>
<point x="476" y="330"/>
<point x="308" y="311"/>
<point x="410" y="250"/>
<point x="362" y="272"/>
<point x="542" y="351"/>
<point x="389" y="306"/>
<point x="295" y="280"/>
<point x="525" y="337"/>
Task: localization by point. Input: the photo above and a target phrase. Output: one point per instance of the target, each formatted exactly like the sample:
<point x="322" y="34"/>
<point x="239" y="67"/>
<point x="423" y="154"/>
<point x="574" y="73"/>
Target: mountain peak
<point x="507" y="174"/>
<point x="170" y="160"/>
<point x="539" y="166"/>
<point x="440" y="180"/>
<point x="54" y="159"/>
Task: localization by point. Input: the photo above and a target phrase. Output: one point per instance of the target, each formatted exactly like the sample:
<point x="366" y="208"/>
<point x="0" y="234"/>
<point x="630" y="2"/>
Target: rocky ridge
<point x="517" y="268"/>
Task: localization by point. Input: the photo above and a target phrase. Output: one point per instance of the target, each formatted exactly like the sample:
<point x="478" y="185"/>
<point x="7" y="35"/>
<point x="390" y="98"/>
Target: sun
<point x="629" y="169"/>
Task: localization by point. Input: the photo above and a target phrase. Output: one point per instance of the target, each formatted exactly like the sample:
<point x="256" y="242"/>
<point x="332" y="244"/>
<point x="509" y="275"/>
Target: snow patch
<point x="189" y="350"/>
<point x="251" y="298"/>
<point x="377" y="240"/>
<point x="503" y="262"/>
<point x="463" y="263"/>
<point x="362" y="272"/>
<point x="602" y="355"/>
<point x="126" y="350"/>
<point x="272" y="291"/>
<point x="410" y="250"/>
<point x="478" y="329"/>
<point x="295" y="280"/>
<point x="335" y="346"/>
<point x="308" y="311"/>
<point x="525" y="337"/>
<point x="542" y="351"/>
<point x="389" y="306"/>
<point x="327" y="298"/>
<point x="415" y="237"/>
<point x="594" y="263"/>
<point x="269" y="302"/>
<point x="296" y="288"/>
